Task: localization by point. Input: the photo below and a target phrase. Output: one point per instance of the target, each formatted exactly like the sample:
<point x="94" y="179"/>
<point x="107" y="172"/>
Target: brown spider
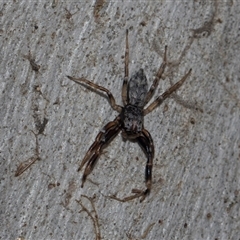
<point x="135" y="96"/>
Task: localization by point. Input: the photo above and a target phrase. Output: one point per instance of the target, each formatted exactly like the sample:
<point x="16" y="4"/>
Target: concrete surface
<point x="44" y="115"/>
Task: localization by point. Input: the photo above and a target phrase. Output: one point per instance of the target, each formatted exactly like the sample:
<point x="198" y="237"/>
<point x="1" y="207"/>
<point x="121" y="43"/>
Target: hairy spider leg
<point x="126" y="75"/>
<point x="107" y="134"/>
<point x="94" y="146"/>
<point x="145" y="141"/>
<point x="112" y="101"/>
<point x="165" y="95"/>
<point x="157" y="77"/>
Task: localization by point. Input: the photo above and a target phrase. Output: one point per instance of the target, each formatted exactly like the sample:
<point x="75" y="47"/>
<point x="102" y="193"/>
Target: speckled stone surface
<point x="48" y="118"/>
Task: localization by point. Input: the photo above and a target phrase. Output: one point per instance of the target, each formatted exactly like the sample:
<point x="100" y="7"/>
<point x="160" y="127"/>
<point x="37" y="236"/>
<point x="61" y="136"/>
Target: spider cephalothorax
<point x="135" y="96"/>
<point x="132" y="120"/>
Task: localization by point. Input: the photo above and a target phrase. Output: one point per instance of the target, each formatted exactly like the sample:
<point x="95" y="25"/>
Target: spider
<point x="135" y="95"/>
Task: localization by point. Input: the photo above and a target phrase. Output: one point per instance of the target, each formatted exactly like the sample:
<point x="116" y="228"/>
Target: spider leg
<point x="165" y="95"/>
<point x="125" y="81"/>
<point x="112" y="101"/>
<point x="157" y="77"/>
<point x="106" y="135"/>
<point x="146" y="143"/>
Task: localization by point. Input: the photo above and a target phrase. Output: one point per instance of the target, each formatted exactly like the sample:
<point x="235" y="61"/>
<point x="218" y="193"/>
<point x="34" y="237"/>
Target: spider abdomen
<point x="132" y="119"/>
<point x="137" y="89"/>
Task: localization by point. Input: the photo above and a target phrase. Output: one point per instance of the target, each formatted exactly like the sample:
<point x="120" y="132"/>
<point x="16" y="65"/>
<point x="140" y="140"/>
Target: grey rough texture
<point x="196" y="173"/>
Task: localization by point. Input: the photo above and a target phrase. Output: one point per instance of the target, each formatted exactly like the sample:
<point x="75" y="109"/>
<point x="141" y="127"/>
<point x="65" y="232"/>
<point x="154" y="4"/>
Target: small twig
<point x="34" y="65"/>
<point x="93" y="218"/>
<point x="28" y="163"/>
